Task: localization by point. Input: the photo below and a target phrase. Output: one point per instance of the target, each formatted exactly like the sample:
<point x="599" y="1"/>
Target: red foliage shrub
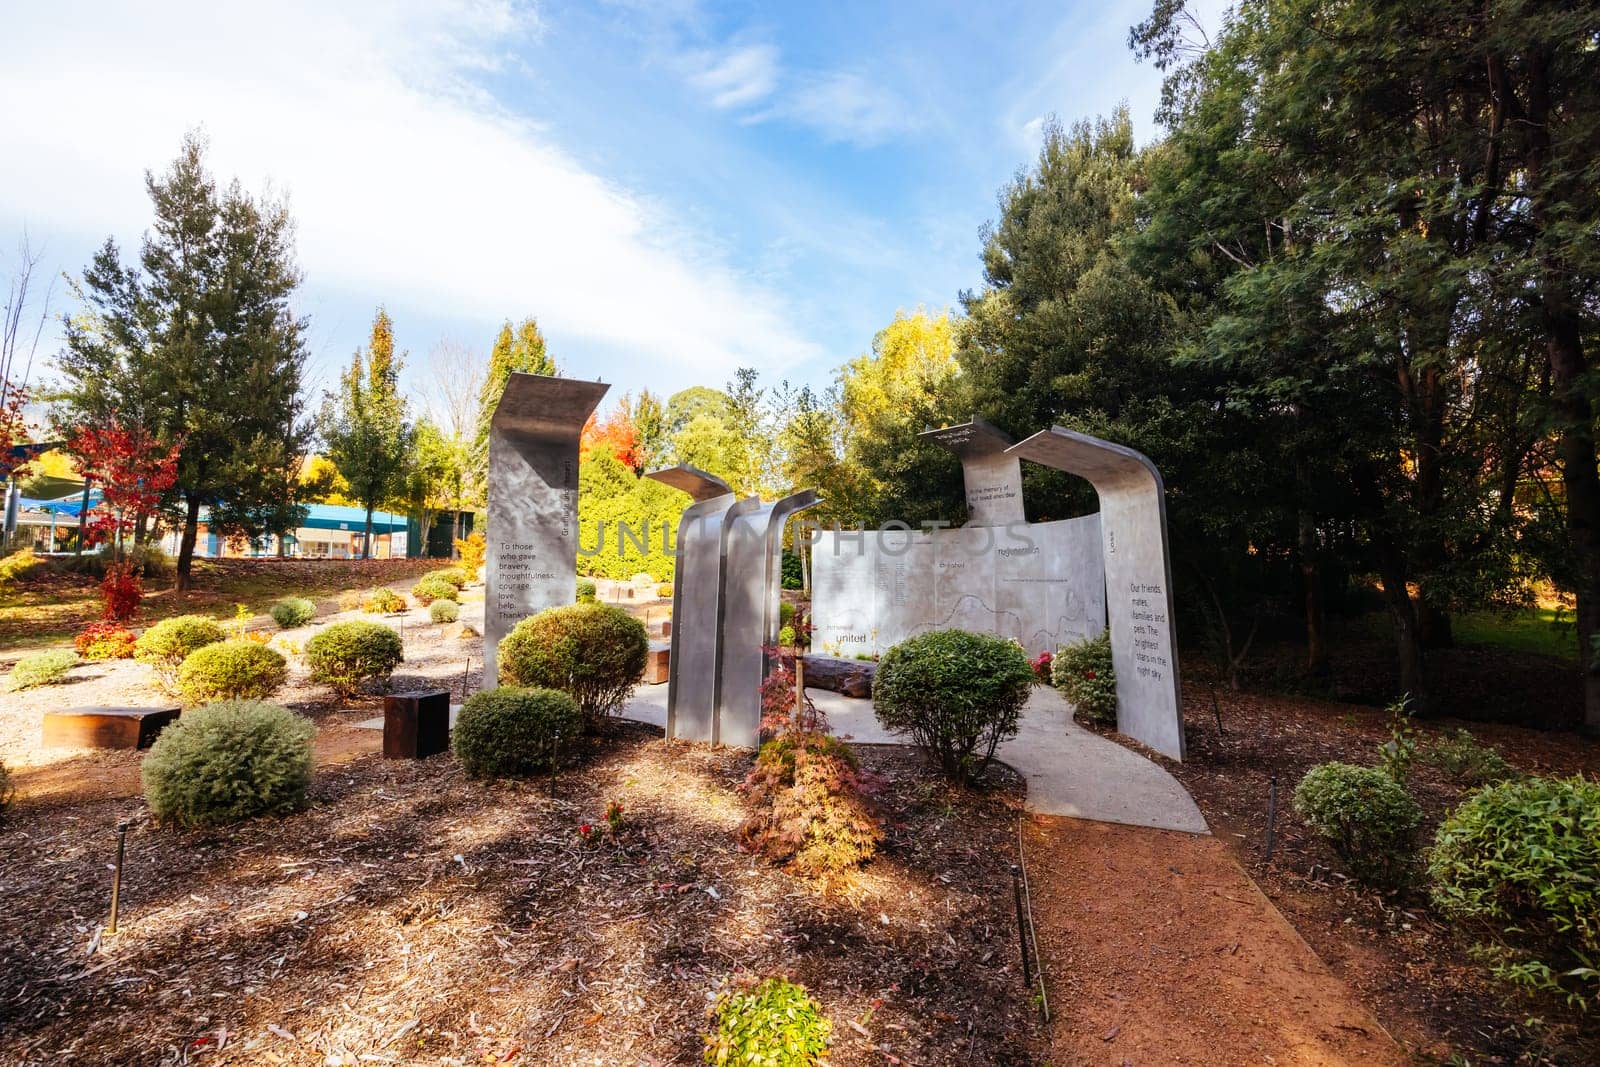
<point x="104" y="640"/>
<point x="121" y="592"/>
<point x="1041" y="667"/>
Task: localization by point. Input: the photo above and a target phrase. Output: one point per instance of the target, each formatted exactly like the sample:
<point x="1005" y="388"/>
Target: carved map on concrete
<point x="1040" y="583"/>
<point x="1138" y="570"/>
<point x="532" y="538"/>
<point x="696" y="602"/>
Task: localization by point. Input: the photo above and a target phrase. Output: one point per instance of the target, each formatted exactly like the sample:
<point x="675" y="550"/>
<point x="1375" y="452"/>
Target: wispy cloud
<point x="411" y="183"/>
<point x="743" y="76"/>
<point x="848" y="107"/>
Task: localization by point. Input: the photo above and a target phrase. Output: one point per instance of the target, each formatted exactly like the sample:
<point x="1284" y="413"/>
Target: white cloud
<point x="740" y="77"/>
<point x="848" y="107"/>
<point x="411" y="185"/>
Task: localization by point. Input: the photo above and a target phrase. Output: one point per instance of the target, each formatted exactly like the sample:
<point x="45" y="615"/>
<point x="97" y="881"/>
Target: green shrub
<point x="348" y="654"/>
<point x="444" y="611"/>
<point x="41" y="668"/>
<point x="383" y="602"/>
<point x="586" y="591"/>
<point x="512" y="733"/>
<point x="786" y="636"/>
<point x="664" y="590"/>
<point x="594" y="653"/>
<point x="814" y="811"/>
<point x="150" y="560"/>
<point x="231" y="670"/>
<point x="351" y="600"/>
<point x="8" y="791"/>
<point x="104" y="640"/>
<point x="1366" y="816"/>
<point x="296" y="611"/>
<point x="430" y="589"/>
<point x="773" y="1024"/>
<point x="1522" y="858"/>
<point x="785" y="613"/>
<point x="454" y="575"/>
<point x="1085" y="676"/>
<point x="1464" y="759"/>
<point x="171" y="641"/>
<point x="957" y="694"/>
<point x="229" y="761"/>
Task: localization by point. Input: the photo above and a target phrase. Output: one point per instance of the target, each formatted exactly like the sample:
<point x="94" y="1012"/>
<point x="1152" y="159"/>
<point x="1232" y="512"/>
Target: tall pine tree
<point x="198" y="343"/>
<point x="365" y="426"/>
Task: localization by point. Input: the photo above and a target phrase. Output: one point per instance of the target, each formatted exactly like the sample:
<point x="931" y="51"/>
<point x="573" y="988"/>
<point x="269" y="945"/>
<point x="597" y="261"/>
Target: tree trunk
<point x="1433" y="626"/>
<point x="366" y="538"/>
<point x="1408" y="636"/>
<point x="1316" y="616"/>
<point x="191" y="529"/>
<point x="1576" y="447"/>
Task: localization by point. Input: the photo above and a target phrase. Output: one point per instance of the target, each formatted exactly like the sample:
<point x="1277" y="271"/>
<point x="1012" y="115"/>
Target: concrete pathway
<point x="1070" y="771"/>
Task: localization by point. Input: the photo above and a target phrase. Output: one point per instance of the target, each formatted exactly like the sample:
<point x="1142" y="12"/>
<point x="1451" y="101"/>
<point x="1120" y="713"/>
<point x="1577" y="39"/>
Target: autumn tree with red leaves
<point x="616" y="433"/>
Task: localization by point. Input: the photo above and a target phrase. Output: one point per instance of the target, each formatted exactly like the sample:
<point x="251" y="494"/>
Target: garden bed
<point x="1410" y="967"/>
<point x="415" y="916"/>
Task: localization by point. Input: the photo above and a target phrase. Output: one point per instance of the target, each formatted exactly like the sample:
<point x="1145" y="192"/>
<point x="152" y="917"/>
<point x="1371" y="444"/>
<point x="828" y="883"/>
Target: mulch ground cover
<point x="412" y="915"/>
<point x="1409" y="966"/>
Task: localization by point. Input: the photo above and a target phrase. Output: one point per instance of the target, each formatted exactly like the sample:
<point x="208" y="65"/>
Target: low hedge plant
<point x="229" y="761"/>
<point x="1082" y="671"/>
<point x="293" y="612"/>
<point x="171" y="641"/>
<point x="231" y="670"/>
<point x="595" y="653"/>
<point x="347" y="655"/>
<point x="512" y="733"/>
<point x="1367" y="817"/>
<point x="773" y="1022"/>
<point x="41" y="668"/>
<point x="428" y="589"/>
<point x="444" y="611"/>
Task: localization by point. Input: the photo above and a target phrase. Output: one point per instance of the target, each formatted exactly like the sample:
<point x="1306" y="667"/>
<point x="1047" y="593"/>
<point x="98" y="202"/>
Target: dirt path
<point x="1160" y="950"/>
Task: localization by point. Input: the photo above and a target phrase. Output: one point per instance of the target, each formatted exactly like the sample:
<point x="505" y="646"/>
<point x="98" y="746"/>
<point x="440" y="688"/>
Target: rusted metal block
<point x="658" y="666"/>
<point x="97" y="727"/>
<point x="416" y="725"/>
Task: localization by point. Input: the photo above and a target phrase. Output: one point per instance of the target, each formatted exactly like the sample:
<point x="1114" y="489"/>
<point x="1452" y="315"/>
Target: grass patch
<point x="50" y="607"/>
<point x="1544" y="631"/>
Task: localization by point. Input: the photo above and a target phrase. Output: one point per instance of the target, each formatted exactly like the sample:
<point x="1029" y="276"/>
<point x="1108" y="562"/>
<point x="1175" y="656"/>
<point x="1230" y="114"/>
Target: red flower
<point x="1089" y="675"/>
<point x="585" y="829"/>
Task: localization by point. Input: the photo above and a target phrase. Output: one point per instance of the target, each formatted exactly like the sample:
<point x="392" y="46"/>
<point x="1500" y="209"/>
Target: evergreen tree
<point x="521" y="351"/>
<point x="365" y="426"/>
<point x="198" y="344"/>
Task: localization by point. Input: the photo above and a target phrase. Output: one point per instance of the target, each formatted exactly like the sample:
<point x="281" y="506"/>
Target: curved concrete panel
<point x="752" y="580"/>
<point x="532" y="539"/>
<point x="1138" y="569"/>
<point x="696" y="615"/>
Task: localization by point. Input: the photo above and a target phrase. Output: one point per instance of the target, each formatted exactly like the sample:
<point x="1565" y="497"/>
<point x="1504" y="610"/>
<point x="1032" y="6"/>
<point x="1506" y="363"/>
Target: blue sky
<point x="674" y="189"/>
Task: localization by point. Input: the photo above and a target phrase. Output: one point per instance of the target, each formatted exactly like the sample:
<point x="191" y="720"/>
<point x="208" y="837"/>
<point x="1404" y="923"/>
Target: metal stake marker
<point x="466" y="672"/>
<point x="1272" y="815"/>
<point x="116" y="874"/>
<point x="1022" y="926"/>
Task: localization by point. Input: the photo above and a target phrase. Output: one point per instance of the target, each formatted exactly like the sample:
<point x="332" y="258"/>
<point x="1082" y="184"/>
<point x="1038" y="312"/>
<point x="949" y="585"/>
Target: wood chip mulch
<point x="412" y="915"/>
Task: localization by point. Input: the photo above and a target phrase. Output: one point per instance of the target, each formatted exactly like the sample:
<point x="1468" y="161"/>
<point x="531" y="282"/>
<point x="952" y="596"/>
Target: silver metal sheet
<point x="752" y="581"/>
<point x="1138" y="569"/>
<point x="696" y="601"/>
<point x="532" y="537"/>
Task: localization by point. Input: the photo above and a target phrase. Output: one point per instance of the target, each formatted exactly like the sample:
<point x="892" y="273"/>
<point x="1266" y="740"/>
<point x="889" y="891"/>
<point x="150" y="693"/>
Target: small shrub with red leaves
<point x="120" y="592"/>
<point x="104" y="640"/>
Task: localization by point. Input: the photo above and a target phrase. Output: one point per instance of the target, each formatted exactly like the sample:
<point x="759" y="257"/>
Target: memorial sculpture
<point x="1042" y="584"/>
<point x="532" y="537"/>
<point x="696" y="601"/>
<point x="1138" y="577"/>
<point x="724" y="607"/>
<point x="1038" y="583"/>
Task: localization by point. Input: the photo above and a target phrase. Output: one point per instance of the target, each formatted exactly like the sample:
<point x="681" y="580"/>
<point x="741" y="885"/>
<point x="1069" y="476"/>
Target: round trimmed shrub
<point x="231" y="670"/>
<point x="664" y="590"/>
<point x="586" y="591"/>
<point x="595" y="653"/>
<point x="957" y="694"/>
<point x="774" y="1022"/>
<point x="383" y="602"/>
<point x="427" y="590"/>
<point x="104" y="640"/>
<point x="293" y="612"/>
<point x="444" y="611"/>
<point x="1082" y="671"/>
<point x="41" y="668"/>
<point x="228" y="761"/>
<point x="512" y="733"/>
<point x="786" y="636"/>
<point x="1365" y="815"/>
<point x="348" y="654"/>
<point x="454" y="575"/>
<point x="171" y="641"/>
<point x="1523" y="857"/>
